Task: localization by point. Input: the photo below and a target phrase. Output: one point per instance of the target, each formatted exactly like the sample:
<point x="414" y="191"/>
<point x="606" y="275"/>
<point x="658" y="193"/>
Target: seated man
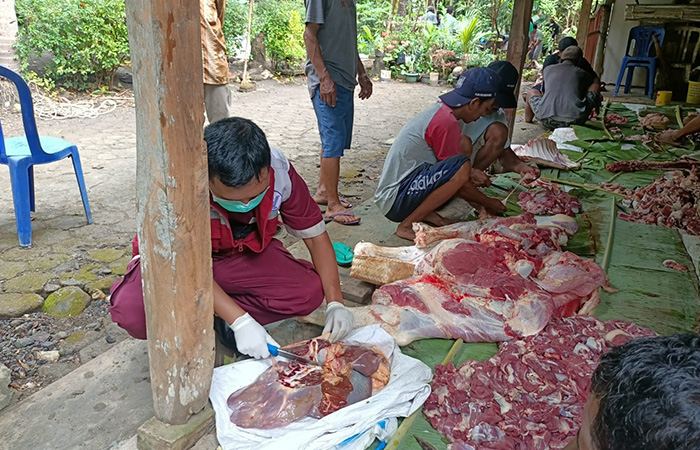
<point x="568" y="99"/>
<point x="489" y="133"/>
<point x="256" y="280"/>
<point x="645" y="395"/>
<point x="428" y="163"/>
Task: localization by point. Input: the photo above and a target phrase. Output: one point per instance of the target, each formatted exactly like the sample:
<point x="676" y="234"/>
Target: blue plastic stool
<point x="21" y="153"/>
<point x="642" y="36"/>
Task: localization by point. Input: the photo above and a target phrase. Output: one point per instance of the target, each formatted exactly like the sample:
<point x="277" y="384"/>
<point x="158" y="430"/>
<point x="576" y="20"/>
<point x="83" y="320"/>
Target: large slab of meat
<point x="669" y="201"/>
<point x="544" y="152"/>
<point x="508" y="279"/>
<point x="530" y="395"/>
<point x="289" y="391"/>
<point x="548" y="199"/>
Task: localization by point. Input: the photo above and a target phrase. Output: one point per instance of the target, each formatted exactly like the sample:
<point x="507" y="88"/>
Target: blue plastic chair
<point x="21" y="153"/>
<point x="642" y="36"/>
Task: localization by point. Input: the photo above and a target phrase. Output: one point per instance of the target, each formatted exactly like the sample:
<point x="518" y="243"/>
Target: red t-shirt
<point x="444" y="133"/>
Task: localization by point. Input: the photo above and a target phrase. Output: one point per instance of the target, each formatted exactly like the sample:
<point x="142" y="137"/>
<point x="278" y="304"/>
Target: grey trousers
<point x="217" y="101"/>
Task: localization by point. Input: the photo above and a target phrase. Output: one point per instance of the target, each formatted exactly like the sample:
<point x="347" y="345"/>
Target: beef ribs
<point x="531" y="394"/>
<point x="289" y="391"/>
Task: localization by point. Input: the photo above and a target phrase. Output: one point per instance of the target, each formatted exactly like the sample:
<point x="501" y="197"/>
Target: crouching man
<point x="645" y="395"/>
<point x="489" y="133"/>
<point x="570" y="96"/>
<point x="256" y="280"/>
<point x="433" y="157"/>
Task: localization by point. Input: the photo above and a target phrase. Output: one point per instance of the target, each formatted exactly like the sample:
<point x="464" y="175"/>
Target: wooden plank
<point x="517" y="47"/>
<point x="663" y="13"/>
<point x="172" y="203"/>
<point x="583" y="19"/>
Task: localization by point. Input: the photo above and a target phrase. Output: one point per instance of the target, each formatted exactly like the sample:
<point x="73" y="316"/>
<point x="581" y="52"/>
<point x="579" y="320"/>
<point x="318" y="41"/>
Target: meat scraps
<point x="669" y="201"/>
<point x="506" y="280"/>
<point x="544" y="152"/>
<point x="530" y="395"/>
<point x="635" y="165"/>
<point x="657" y="122"/>
<point x="549" y="199"/>
<point x="615" y="119"/>
<point x="289" y="391"/>
<point x="671" y="264"/>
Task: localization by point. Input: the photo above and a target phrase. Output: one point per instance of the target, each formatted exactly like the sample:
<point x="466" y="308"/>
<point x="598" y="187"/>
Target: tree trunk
<point x="8" y="34"/>
<point x="402" y="8"/>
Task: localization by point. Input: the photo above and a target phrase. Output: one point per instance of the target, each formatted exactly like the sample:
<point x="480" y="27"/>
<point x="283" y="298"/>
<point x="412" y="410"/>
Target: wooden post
<point x="602" y="40"/>
<point x="248" y="42"/>
<point x="517" y="47"/>
<point x="583" y="20"/>
<point x="172" y="203"/>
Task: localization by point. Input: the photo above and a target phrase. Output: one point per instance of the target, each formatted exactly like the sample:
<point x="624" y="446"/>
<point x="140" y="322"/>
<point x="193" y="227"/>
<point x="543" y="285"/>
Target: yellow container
<point x="663" y="98"/>
<point x="693" y="93"/>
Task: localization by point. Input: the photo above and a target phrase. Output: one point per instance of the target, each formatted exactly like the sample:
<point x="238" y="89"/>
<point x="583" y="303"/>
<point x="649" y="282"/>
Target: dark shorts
<point x="420" y="183"/>
<point x="335" y="123"/>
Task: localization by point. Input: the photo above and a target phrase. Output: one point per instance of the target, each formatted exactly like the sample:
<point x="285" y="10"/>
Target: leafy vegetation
<point x="86" y="39"/>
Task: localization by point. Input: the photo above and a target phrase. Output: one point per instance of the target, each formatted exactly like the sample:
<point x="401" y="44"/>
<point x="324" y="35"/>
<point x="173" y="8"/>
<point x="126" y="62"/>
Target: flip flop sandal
<point x="343" y="254"/>
<point x="332" y="217"/>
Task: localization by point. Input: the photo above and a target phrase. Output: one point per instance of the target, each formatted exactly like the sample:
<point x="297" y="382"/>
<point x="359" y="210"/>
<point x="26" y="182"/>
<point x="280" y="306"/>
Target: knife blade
<point x="276" y="351"/>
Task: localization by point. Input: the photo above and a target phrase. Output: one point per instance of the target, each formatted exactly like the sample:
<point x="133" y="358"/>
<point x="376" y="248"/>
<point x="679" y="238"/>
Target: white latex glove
<point x="339" y="321"/>
<point x="251" y="337"/>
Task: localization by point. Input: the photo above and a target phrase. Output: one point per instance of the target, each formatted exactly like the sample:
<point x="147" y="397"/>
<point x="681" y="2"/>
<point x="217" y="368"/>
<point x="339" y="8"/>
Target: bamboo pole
<point x="244" y="80"/>
<point x="582" y="186"/>
<point x="611" y="235"/>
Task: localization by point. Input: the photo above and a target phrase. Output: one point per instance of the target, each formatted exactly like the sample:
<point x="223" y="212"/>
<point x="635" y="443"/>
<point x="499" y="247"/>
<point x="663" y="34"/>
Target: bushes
<point x="280" y="21"/>
<point x="86" y="38"/>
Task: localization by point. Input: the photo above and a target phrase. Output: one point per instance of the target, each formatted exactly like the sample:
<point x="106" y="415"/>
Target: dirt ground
<point x="67" y="252"/>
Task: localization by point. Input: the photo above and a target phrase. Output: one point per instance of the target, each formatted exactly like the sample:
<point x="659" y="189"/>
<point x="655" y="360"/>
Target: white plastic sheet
<point x="406" y="391"/>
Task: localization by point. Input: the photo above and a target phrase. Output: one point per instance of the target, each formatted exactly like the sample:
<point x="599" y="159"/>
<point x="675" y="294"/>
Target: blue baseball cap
<point x="478" y="82"/>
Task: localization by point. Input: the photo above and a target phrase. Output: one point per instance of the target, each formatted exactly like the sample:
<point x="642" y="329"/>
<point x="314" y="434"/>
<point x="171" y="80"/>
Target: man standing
<point x="535" y="48"/>
<point x="333" y="69"/>
<point x="217" y="94"/>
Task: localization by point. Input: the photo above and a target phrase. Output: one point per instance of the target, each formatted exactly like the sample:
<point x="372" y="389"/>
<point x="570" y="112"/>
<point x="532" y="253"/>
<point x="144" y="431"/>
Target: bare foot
<point x="437" y="220"/>
<point x="322" y="199"/>
<point x="405" y="231"/>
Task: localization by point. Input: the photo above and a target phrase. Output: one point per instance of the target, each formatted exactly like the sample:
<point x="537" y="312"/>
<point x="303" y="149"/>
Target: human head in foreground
<point x="645" y="395"/>
<point x="239" y="163"/>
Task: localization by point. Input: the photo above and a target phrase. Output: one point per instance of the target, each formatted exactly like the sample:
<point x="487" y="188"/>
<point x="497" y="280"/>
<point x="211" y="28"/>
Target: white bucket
<point x="385" y="75"/>
<point x="434" y="78"/>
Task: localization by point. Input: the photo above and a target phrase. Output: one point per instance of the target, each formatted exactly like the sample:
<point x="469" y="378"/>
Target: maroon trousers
<point x="270" y="286"/>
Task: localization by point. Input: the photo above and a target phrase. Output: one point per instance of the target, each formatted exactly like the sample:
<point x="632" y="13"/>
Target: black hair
<point x="237" y="150"/>
<point x="534" y="26"/>
<point x="431" y="9"/>
<point x="450" y="10"/>
<point x="649" y="392"/>
<point x="566" y="42"/>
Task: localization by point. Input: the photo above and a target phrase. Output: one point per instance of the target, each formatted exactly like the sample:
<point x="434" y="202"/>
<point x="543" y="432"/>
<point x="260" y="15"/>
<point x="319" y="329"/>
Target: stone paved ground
<point x="66" y="252"/>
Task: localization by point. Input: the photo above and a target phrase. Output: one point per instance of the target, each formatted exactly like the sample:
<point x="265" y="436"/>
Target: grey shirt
<point x="408" y="151"/>
<point x="565" y="97"/>
<point x="337" y="36"/>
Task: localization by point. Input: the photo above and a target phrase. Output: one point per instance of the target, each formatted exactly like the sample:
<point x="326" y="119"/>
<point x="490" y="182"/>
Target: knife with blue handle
<point x="276" y="351"/>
